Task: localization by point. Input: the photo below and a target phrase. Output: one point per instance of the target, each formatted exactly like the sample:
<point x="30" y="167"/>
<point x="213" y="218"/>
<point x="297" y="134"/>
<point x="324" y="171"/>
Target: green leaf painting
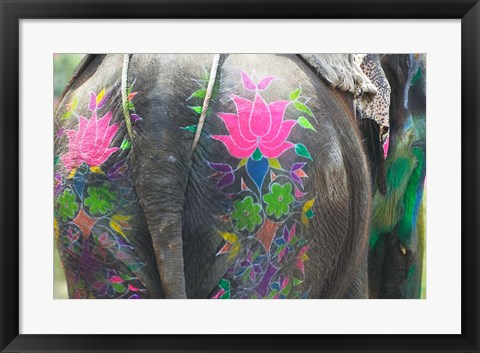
<point x="199" y="94"/>
<point x="303" y="122"/>
<point x="125" y="145"/>
<point x="295" y="94"/>
<point x="302" y="151"/>
<point x="197" y="109"/>
<point x="191" y="128"/>
<point x="303" y="108"/>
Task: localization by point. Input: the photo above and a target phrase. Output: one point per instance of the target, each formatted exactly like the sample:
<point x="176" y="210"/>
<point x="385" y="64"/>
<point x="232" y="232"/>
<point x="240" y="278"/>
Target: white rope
<point x="128" y="122"/>
<point x="206" y="101"/>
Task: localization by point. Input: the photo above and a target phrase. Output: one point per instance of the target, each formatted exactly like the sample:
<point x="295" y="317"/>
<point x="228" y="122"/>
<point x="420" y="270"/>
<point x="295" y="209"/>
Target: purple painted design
<point x="97" y="101"/>
<point x="135" y="118"/>
<point x="226" y="180"/>
<point x="296" y="173"/>
<point x="118" y="170"/>
<point x="296" y="178"/>
<point x="93" y="101"/>
<point x="60" y="132"/>
<point x="253" y="266"/>
<point x="58" y="184"/>
<point x="283" y="242"/>
<point x="297" y="166"/>
<point x="262" y="288"/>
<point x="221" y="167"/>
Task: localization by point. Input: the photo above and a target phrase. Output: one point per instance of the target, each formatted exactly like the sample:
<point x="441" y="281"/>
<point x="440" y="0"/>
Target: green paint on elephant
<point x="100" y="200"/>
<point x="257" y="155"/>
<point x="67" y="205"/>
<point x="246" y="213"/>
<point x="279" y="199"/>
<point x="405" y="168"/>
<point x="417" y="76"/>
<point x="388" y="209"/>
<point x="408" y="221"/>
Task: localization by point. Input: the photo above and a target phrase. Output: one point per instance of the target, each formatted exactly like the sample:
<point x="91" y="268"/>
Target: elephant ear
<point x="341" y="72"/>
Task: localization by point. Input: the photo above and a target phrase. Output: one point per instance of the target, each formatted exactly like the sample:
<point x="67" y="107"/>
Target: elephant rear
<point x="278" y="199"/>
<point x="100" y="230"/>
<point x="273" y="202"/>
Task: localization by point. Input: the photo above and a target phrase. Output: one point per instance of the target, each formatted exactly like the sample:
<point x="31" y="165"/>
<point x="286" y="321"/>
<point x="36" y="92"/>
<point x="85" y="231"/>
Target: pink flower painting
<point x="256" y="124"/>
<point x="90" y="143"/>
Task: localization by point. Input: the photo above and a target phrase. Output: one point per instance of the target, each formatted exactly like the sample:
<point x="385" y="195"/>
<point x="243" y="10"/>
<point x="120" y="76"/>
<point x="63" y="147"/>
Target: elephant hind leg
<point x="99" y="263"/>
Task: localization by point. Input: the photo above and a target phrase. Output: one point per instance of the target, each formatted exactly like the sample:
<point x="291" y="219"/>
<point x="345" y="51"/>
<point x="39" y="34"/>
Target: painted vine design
<point x="92" y="199"/>
<point x="264" y="240"/>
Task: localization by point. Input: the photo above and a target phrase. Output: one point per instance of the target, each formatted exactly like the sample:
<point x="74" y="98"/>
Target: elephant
<point x="397" y="231"/>
<point x="219" y="176"/>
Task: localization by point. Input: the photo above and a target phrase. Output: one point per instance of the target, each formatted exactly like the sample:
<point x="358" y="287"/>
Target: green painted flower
<point x="67" y="207"/>
<point x="247" y="214"/>
<point x="279" y="200"/>
<point x="100" y="200"/>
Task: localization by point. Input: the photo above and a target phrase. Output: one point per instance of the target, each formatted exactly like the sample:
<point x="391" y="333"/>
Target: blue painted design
<point x="257" y="171"/>
<point x="80" y="179"/>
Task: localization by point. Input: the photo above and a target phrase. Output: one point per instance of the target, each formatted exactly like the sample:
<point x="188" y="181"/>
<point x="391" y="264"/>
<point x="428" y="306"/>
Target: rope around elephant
<point x="206" y="101"/>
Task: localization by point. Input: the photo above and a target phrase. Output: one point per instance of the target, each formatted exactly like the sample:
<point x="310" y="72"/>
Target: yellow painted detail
<point x="234" y="252"/>
<point x="96" y="170"/>
<point x="56" y="231"/>
<point x="119" y="223"/>
<point x="232" y="239"/>
<point x="306" y="207"/>
<point x="242" y="162"/>
<point x="100" y="95"/>
<point x="274" y="163"/>
<point x="72" y="173"/>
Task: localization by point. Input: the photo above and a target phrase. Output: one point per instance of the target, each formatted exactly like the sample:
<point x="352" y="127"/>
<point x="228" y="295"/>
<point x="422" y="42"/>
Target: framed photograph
<point x="204" y="152"/>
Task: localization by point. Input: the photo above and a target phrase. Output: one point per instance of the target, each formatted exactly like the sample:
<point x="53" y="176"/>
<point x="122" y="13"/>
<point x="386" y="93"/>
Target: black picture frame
<point x="12" y="11"/>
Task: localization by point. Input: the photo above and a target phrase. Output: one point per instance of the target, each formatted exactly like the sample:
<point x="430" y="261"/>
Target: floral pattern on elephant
<point x="92" y="197"/>
<point x="270" y="205"/>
